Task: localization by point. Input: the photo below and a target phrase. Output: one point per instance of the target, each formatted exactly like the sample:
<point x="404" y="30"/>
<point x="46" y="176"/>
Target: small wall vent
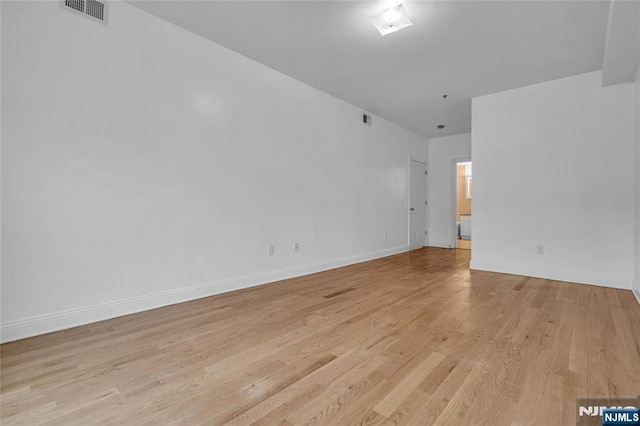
<point x="366" y="119"/>
<point x="96" y="10"/>
<point x="75" y="4"/>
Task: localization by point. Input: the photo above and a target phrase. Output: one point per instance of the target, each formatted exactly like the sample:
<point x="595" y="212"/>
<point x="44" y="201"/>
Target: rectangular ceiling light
<point x="391" y="20"/>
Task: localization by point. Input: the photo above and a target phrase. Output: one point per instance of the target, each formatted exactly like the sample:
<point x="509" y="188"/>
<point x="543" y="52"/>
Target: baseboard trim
<point x="601" y="280"/>
<point x="440" y="244"/>
<point x="636" y="293"/>
<point x="34" y="326"/>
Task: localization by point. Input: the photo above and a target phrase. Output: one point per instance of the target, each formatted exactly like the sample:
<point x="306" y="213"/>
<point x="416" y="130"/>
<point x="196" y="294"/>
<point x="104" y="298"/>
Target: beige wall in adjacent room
<point x="462" y="202"/>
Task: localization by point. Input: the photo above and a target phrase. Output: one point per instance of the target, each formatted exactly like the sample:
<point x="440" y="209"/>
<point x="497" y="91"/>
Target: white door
<point x="417" y="204"/>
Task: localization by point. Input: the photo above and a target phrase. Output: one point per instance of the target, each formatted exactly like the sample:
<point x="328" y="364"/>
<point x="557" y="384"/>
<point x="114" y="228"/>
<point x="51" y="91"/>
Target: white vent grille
<point x="90" y="8"/>
<point x="75" y="4"/>
<point x="95" y="9"/>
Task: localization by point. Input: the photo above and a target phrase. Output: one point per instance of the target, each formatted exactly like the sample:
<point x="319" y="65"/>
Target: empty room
<point x="320" y="212"/>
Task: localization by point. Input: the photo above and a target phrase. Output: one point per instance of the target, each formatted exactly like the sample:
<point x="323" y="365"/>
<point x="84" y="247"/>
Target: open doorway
<point x="464" y="190"/>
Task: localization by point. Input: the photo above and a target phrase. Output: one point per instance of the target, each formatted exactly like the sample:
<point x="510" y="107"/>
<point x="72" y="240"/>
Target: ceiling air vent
<point x="93" y="9"/>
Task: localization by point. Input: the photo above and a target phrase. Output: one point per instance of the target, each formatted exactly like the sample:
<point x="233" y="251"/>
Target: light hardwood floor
<point x="463" y="244"/>
<point x="410" y="339"/>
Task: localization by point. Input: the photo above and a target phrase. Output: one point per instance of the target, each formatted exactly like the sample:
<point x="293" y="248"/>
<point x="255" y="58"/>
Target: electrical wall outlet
<point x="385" y="236"/>
<point x="296" y="247"/>
<point x="540" y="249"/>
<point x="271" y="250"/>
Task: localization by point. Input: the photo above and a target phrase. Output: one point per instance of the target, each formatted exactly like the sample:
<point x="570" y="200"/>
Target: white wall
<point x="442" y="152"/>
<point x="622" y="49"/>
<point x="143" y="165"/>
<point x="553" y="165"/>
<point x="636" y="285"/>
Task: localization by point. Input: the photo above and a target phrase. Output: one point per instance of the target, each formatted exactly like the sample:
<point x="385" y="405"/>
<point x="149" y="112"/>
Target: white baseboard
<point x="440" y="244"/>
<point x="579" y="277"/>
<point x="636" y="290"/>
<point x="20" y="329"/>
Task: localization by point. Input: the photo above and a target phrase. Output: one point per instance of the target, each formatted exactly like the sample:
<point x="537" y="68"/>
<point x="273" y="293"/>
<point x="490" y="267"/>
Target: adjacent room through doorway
<point x="464" y="185"/>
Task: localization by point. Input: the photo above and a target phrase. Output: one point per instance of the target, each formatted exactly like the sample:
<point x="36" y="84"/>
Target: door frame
<point x="454" y="197"/>
<point x="426" y="197"/>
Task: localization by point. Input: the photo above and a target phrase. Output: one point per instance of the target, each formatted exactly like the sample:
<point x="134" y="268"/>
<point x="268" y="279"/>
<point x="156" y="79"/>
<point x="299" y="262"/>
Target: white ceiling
<point x="459" y="48"/>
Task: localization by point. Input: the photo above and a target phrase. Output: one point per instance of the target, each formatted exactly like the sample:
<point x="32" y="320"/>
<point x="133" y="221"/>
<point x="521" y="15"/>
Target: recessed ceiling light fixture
<point x="391" y="20"/>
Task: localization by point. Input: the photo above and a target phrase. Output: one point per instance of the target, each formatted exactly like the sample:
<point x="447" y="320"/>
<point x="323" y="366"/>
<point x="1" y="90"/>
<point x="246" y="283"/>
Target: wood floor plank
<point x="414" y="339"/>
<point x="410" y="383"/>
